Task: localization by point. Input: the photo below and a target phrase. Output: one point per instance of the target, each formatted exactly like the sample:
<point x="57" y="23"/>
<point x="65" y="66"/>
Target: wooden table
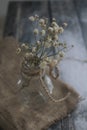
<point x="73" y="12"/>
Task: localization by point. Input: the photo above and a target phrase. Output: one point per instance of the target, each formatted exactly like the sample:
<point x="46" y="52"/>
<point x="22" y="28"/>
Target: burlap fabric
<point x="24" y="109"/>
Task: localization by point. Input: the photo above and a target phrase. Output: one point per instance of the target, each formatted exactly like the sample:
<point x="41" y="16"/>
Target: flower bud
<point x="55" y="37"/>
<point x="54" y="24"/>
<point x="38" y="42"/>
<point x="55" y="30"/>
<point x="18" y="50"/>
<point x="36" y="31"/>
<point x="43" y="32"/>
<point x="23" y="45"/>
<point x="34" y="49"/>
<point x="41" y="21"/>
<point x="54" y="20"/>
<point x="27" y="55"/>
<point x="43" y="64"/>
<point x="60" y="30"/>
<point x="64" y="45"/>
<point x="65" y="24"/>
<point x="31" y="18"/>
<point x="61" y="54"/>
<point x="26" y="47"/>
<point x="50" y="29"/>
<point x="36" y="16"/>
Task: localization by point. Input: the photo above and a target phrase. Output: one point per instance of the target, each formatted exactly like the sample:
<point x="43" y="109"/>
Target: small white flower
<point x="43" y="64"/>
<point x="43" y="32"/>
<point x="31" y="18"/>
<point x="34" y="49"/>
<point x="41" y="21"/>
<point x="55" y="29"/>
<point x="50" y="29"/>
<point x="65" y="24"/>
<point x="48" y="59"/>
<point x="49" y="39"/>
<point x="36" y="16"/>
<point x="23" y="45"/>
<point x="61" y="30"/>
<point x="61" y="54"/>
<point x="18" y="50"/>
<point x="27" y="55"/>
<point x="52" y="63"/>
<point x="64" y="45"/>
<point x="36" y="31"/>
<point x="26" y="47"/>
<point x="54" y="24"/>
<point x="54" y="19"/>
<point x="55" y="37"/>
<point x="38" y="42"/>
<point x="55" y="43"/>
<point x="43" y="26"/>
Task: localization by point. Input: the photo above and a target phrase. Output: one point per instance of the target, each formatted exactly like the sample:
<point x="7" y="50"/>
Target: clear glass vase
<point x="39" y="87"/>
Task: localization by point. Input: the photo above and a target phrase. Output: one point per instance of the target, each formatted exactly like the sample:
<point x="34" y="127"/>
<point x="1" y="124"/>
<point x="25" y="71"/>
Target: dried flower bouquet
<point x="40" y="54"/>
<point x="38" y="57"/>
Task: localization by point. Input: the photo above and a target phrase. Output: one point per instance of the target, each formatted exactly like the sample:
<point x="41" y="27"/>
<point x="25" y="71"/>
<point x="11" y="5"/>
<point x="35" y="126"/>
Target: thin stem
<point x="56" y="52"/>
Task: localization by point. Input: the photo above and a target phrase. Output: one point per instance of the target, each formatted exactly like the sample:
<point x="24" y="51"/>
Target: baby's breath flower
<point x="44" y="26"/>
<point x="55" y="37"/>
<point x="23" y="45"/>
<point x="50" y="29"/>
<point x="31" y="18"/>
<point x="28" y="55"/>
<point x="26" y="47"/>
<point x="36" y="31"/>
<point x="18" y="50"/>
<point x="61" y="54"/>
<point x="49" y="39"/>
<point x="54" y="24"/>
<point x="43" y="32"/>
<point x="47" y="44"/>
<point x="46" y="20"/>
<point x="43" y="64"/>
<point x="38" y="42"/>
<point x="55" y="30"/>
<point x="64" y="45"/>
<point x="55" y="43"/>
<point x="53" y="63"/>
<point x="41" y="21"/>
<point x="36" y="17"/>
<point x="60" y="30"/>
<point x="34" y="49"/>
<point x="54" y="19"/>
<point x="65" y="24"/>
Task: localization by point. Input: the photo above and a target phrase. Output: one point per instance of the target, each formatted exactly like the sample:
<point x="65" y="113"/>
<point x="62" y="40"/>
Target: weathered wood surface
<point x="74" y="12"/>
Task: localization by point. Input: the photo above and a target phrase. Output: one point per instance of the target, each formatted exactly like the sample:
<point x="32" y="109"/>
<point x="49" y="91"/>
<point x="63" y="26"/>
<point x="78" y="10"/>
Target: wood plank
<point x="81" y="8"/>
<point x="64" y="11"/>
<point x="17" y="23"/>
<point x="10" y="23"/>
